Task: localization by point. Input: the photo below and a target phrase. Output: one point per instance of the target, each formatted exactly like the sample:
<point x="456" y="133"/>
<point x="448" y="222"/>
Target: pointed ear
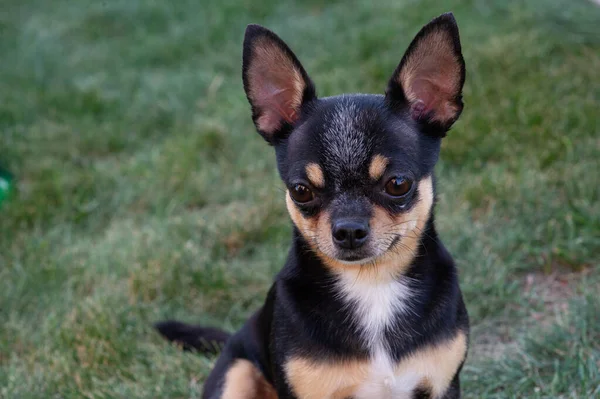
<point x="276" y="85"/>
<point x="431" y="75"/>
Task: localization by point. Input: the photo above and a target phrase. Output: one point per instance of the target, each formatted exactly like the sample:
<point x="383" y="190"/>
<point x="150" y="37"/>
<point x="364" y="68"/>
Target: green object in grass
<point x="5" y="184"/>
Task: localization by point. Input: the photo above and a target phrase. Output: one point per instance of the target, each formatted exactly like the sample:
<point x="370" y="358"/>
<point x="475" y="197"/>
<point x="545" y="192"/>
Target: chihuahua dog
<point x="368" y="304"/>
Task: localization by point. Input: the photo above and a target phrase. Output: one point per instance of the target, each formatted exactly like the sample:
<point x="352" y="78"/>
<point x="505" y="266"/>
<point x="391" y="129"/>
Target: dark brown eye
<point x="398" y="186"/>
<point x="301" y="194"/>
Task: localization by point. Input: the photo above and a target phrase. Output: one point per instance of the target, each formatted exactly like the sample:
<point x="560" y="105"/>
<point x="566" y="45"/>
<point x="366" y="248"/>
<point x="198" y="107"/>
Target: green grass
<point x="142" y="191"/>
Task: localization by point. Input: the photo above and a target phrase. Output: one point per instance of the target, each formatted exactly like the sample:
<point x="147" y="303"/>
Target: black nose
<point x="350" y="234"/>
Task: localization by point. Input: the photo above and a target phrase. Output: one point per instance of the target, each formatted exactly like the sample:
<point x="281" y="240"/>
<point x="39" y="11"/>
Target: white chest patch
<point x="384" y="383"/>
<point x="375" y="305"/>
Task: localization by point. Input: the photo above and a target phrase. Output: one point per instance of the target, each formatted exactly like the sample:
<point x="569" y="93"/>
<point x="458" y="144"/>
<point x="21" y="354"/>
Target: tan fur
<point x="244" y="381"/>
<point x="408" y="225"/>
<point x="435" y="365"/>
<point x="311" y="228"/>
<point x="315" y="175"/>
<point x="322" y="380"/>
<point x="432" y="74"/>
<point x="275" y="86"/>
<point x="438" y="364"/>
<point x="377" y="167"/>
<point x="317" y="231"/>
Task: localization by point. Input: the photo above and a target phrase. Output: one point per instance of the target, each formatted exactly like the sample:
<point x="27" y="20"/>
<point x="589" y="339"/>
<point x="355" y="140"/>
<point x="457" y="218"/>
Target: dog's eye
<point x="398" y="186"/>
<point x="301" y="194"/>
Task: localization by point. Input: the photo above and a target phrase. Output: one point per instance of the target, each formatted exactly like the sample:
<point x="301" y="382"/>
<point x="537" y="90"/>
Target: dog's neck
<point x="374" y="297"/>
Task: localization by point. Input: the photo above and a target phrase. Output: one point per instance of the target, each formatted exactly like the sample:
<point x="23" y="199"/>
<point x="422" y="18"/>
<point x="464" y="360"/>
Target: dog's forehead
<point x="345" y="133"/>
<point x="346" y="139"/>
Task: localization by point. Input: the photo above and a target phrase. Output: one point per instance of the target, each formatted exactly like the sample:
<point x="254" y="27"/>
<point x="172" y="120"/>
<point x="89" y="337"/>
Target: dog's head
<point x="358" y="168"/>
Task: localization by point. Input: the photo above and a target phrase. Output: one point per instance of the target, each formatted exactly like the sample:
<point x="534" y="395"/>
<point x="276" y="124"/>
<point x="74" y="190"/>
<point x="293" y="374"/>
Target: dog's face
<point x="358" y="179"/>
<point x="358" y="168"/>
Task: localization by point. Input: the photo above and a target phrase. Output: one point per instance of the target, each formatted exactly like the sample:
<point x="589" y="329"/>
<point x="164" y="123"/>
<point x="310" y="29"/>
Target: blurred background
<point x="135" y="188"/>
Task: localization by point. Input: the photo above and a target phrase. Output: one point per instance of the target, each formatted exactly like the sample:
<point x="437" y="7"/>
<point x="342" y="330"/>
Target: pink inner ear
<point x="275" y="87"/>
<point x="276" y="108"/>
<point x="431" y="78"/>
<point x="432" y="102"/>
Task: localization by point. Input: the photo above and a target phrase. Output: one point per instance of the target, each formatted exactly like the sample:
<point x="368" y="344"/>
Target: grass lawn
<point x="143" y="192"/>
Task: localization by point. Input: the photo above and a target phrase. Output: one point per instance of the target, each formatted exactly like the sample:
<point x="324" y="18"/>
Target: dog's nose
<point x="350" y="234"/>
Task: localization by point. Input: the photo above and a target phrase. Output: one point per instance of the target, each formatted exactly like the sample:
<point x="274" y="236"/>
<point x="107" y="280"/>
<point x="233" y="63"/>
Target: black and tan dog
<point x="368" y="303"/>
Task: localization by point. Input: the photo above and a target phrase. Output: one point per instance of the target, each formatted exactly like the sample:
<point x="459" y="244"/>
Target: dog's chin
<point x="357" y="262"/>
<point x="355" y="258"/>
<point x="363" y="256"/>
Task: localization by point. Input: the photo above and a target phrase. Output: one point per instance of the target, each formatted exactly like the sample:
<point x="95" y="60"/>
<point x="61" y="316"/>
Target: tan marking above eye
<point x="377" y="166"/>
<point x="315" y="175"/>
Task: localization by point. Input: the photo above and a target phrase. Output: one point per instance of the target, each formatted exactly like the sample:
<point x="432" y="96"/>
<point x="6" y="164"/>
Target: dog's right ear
<point x="276" y="85"/>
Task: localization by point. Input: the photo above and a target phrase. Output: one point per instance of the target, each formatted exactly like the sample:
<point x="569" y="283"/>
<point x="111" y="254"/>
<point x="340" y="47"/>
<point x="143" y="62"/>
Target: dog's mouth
<point x="350" y="257"/>
<point x="353" y="257"/>
<point x="363" y="256"/>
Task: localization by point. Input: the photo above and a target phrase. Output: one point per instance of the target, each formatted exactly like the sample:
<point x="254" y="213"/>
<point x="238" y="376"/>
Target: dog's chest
<point x="374" y="308"/>
<point x="382" y="380"/>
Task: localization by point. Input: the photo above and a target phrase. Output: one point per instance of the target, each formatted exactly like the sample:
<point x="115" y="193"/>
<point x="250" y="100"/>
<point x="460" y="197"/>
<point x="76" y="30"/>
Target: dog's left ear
<point x="431" y="75"/>
<point x="276" y="84"/>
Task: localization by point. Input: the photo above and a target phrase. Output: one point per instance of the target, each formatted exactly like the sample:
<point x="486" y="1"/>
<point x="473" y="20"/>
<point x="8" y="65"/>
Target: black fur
<point x="304" y="315"/>
<point x="395" y="93"/>
<point x="203" y="339"/>
<point x="254" y="32"/>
